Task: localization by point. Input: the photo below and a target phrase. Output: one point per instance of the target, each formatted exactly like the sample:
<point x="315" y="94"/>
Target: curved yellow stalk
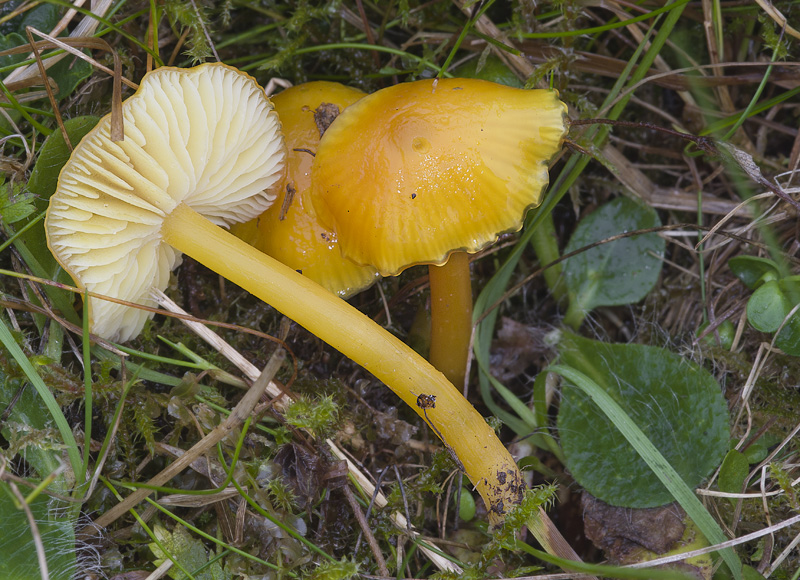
<point x="485" y="460"/>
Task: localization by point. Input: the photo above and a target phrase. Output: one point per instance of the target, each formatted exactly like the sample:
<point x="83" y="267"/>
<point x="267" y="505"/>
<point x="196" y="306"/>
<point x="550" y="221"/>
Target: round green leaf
<point x="752" y="270"/>
<point x="767" y="307"/>
<point x="772" y="302"/>
<point x="7" y="41"/>
<point x="789" y="338"/>
<point x="726" y="332"/>
<point x="676" y="403"/>
<point x="757" y="452"/>
<point x="619" y="272"/>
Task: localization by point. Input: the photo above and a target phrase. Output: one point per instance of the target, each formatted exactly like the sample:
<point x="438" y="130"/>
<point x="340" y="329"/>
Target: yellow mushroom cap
<point x="298" y="239"/>
<point x="416" y="171"/>
<point x="205" y="137"/>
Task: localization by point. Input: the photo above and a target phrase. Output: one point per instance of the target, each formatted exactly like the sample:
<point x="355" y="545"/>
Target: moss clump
<point x="318" y="416"/>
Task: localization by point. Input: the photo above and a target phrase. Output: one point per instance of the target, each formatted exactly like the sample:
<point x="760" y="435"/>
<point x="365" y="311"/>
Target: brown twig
<point x="705" y="144"/>
<point x="376" y="59"/>
<point x="364" y="524"/>
<point x="71" y="45"/>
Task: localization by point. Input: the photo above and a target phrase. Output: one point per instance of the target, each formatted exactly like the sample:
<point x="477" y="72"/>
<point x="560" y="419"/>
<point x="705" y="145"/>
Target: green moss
<point x="341" y="570"/>
<point x="317" y="415"/>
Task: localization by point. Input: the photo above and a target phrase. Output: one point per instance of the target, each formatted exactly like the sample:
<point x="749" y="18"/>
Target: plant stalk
<point x="463" y="430"/>
<point x="451" y="317"/>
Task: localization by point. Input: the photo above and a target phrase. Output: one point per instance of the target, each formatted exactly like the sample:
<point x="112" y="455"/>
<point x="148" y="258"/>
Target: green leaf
<point x="466" y="505"/>
<point x="676" y="403"/>
<point x="768" y="308"/>
<point x="187" y="551"/>
<point x="18" y="557"/>
<point x="27" y="429"/>
<point x="750" y="573"/>
<point x="45" y="398"/>
<point x="788" y="339"/>
<point x="753" y="271"/>
<point x="772" y="302"/>
<point x="668" y="476"/>
<point x="15" y="202"/>
<point x="54" y="155"/>
<point x="726" y="332"/>
<point x="68" y="73"/>
<point x="733" y="472"/>
<point x="616" y="273"/>
<point x="756" y="452"/>
<point x="489" y="69"/>
<point x="43" y="18"/>
<point x="12" y="40"/>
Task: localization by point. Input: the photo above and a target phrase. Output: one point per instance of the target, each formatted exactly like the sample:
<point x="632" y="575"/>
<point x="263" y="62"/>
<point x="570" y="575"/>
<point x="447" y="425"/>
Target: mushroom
<point x="430" y="171"/>
<point x="196" y="140"/>
<point x="201" y="145"/>
<point x="289" y="230"/>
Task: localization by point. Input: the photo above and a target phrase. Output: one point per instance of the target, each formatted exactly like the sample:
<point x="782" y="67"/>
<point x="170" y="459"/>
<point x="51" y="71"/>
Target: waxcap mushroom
<point x="289" y="230"/>
<point x="206" y="137"/>
<point x="485" y="460"/>
<point x="429" y="171"/>
<point x="418" y="170"/>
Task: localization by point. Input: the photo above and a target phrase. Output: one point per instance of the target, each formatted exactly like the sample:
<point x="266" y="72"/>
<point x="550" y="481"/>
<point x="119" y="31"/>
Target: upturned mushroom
<point x="289" y="230"/>
<point x="201" y="145"/>
<point x="196" y="140"/>
<point x="430" y="171"/>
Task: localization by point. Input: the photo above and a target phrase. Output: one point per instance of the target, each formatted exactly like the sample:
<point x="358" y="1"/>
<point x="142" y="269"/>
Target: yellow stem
<point x="451" y="317"/>
<point x="486" y="461"/>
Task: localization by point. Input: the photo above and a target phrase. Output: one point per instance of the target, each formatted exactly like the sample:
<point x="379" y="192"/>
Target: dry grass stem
<point x="85" y="28"/>
<point x="364" y="525"/>
<point x="222" y="347"/>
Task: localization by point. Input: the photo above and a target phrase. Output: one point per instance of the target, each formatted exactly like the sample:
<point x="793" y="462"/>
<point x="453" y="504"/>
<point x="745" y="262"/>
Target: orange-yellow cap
<point x="292" y="234"/>
<point x="416" y="171"/>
